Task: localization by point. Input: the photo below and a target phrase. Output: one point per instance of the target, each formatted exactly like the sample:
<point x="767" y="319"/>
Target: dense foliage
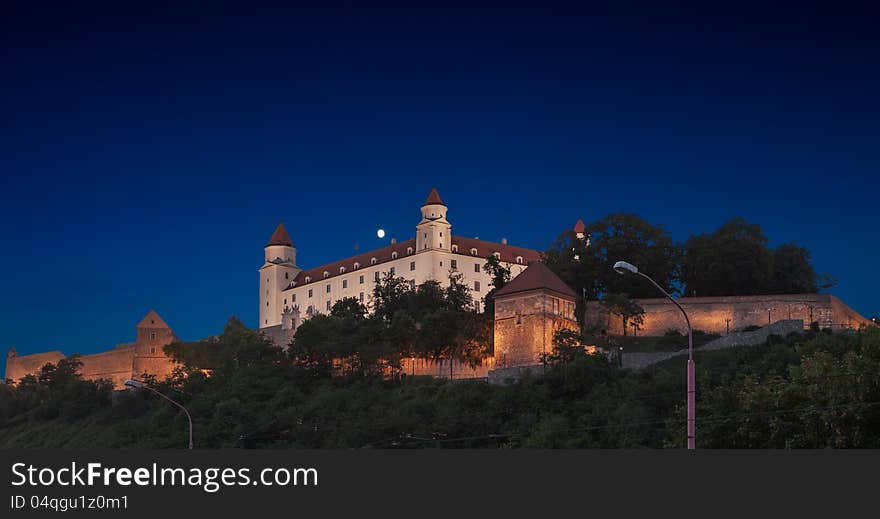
<point x="812" y="390"/>
<point x="733" y="260"/>
<point x="428" y="321"/>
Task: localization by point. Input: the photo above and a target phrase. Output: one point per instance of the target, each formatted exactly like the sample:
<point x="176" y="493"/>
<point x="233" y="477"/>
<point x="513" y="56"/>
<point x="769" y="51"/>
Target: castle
<point x="528" y="310"/>
<point x="129" y="360"/>
<point x="290" y="294"/>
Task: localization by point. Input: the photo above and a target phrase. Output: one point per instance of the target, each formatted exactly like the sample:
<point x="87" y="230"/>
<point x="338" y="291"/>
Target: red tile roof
<point x="537" y="276"/>
<point x="508" y="253"/>
<point x="434" y="197"/>
<point x="579" y="227"/>
<point x="280" y="237"/>
<point x="382" y="255"/>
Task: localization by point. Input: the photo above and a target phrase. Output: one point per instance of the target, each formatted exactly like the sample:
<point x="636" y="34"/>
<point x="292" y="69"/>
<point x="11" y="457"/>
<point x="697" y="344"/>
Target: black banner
<point x="459" y="483"/>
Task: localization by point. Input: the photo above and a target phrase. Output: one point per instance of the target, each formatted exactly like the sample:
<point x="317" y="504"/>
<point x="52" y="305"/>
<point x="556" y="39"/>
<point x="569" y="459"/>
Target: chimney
<point x="503" y="241"/>
<point x="393" y="241"/>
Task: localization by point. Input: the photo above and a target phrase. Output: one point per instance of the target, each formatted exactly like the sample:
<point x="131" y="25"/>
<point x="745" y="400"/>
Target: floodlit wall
<point x="722" y="315"/>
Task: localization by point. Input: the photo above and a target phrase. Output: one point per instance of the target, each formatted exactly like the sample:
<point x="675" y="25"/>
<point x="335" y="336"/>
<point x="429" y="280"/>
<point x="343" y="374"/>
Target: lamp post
<point x="140" y="385"/>
<point x="622" y="267"/>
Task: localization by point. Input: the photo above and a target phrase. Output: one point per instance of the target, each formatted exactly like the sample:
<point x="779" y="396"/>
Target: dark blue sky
<point x="148" y="155"/>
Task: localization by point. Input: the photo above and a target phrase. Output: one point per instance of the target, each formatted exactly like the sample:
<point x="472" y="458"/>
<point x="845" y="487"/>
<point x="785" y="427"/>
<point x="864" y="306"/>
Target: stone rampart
<point x="723" y="315"/>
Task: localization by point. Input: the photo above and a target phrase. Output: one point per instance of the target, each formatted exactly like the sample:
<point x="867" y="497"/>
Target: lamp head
<point x="622" y="267"/>
<point x="133" y="383"/>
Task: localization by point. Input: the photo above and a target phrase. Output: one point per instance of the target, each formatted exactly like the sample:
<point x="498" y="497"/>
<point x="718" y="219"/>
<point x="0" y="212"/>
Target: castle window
<point x="344" y="283"/>
<point x="328" y="305"/>
<point x="326" y="274"/>
<point x="152" y="350"/>
<point x="341" y="270"/>
<point x="285" y="301"/>
<point x="372" y="261"/>
<point x="412" y="265"/>
<point x="412" y="283"/>
<point x="473" y="252"/>
<point x="357" y="265"/>
<point x="376" y="276"/>
<point x="476" y="267"/>
<point x="361" y="280"/>
<point x="285" y="275"/>
<point x="293" y="298"/>
<point x="308" y="279"/>
<point x="441" y="234"/>
<point x="453" y="264"/>
<point x="518" y="317"/>
<point x="361" y="297"/>
<point x="391" y="271"/>
<point x="328" y="288"/>
<point x="310" y="292"/>
<point x="519" y="260"/>
<point x="409" y="250"/>
<point x="476" y="286"/>
<point x="152" y="336"/>
<point x="267" y="303"/>
<point x="394" y="255"/>
<point x="455" y="248"/>
<point x="310" y="310"/>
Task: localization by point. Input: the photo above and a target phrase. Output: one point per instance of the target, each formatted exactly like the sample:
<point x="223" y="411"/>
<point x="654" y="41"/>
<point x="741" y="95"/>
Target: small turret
<point x="580" y="229"/>
<point x="280" y="247"/>
<point x="434" y="231"/>
<point x="277" y="273"/>
<point x="12" y="353"/>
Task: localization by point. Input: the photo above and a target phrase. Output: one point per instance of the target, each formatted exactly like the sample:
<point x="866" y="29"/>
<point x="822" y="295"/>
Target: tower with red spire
<point x="277" y="273"/>
<point x="434" y="232"/>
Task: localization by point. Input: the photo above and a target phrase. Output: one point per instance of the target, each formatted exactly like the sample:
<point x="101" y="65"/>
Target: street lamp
<point x="140" y="385"/>
<point x="622" y="267"/>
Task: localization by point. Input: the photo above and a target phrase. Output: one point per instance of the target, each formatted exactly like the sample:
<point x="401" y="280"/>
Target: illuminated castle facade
<point x="290" y="294"/>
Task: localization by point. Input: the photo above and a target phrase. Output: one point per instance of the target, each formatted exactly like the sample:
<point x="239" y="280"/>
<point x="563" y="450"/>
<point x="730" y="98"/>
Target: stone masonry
<point x="131" y="360"/>
<point x="729" y="314"/>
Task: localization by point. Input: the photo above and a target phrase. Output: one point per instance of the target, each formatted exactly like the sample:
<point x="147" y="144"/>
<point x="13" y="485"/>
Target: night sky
<point x="147" y="155"/>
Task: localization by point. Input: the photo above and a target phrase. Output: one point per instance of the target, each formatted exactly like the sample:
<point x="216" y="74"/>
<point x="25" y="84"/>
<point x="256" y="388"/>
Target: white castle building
<point x="289" y="294"/>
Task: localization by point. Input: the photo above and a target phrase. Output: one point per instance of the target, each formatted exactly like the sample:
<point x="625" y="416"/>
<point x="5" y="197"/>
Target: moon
<point x="380" y="233"/>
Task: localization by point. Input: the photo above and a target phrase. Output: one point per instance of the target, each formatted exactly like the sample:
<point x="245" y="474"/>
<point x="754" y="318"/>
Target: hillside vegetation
<point x="814" y="390"/>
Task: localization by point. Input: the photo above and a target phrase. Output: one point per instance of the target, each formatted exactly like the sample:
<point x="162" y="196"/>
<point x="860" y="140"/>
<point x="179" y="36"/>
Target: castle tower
<point x="580" y="229"/>
<point x="153" y="334"/>
<point x="277" y="272"/>
<point x="434" y="231"/>
<point x="528" y="312"/>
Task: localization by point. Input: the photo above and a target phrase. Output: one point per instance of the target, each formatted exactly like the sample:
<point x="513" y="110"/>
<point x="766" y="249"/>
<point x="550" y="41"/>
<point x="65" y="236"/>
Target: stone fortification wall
<point x="19" y="366"/>
<point x="729" y="314"/>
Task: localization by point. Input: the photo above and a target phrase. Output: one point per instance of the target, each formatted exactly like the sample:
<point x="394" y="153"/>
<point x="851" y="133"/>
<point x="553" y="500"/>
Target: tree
<point x="792" y="271"/>
<point x="500" y="276"/>
<point x="587" y="265"/>
<point x="348" y="308"/>
<point x="390" y="294"/>
<point x="567" y="345"/>
<point x="734" y="260"/>
<point x="630" y="313"/>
